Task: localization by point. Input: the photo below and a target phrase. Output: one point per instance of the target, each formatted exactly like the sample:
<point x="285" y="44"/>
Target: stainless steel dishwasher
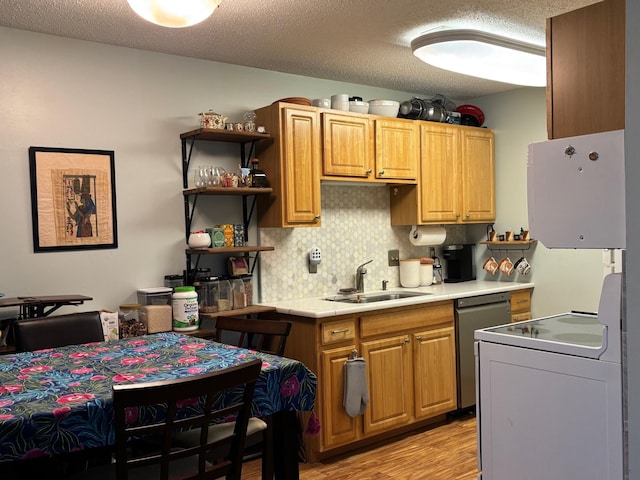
<point x="473" y="313"/>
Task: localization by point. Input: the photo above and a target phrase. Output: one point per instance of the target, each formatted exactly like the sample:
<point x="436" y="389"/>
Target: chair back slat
<point x="57" y="331"/>
<point x="268" y="336"/>
<point x="130" y="401"/>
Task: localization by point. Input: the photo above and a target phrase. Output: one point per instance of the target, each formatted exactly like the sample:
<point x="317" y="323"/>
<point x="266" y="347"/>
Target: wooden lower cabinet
<point x="338" y="428"/>
<point x="410" y="370"/>
<point x="434" y="353"/>
<point x="390" y="380"/>
<point x="521" y="305"/>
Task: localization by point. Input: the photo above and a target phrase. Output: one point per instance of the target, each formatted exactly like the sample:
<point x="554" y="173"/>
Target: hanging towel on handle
<point x="356" y="393"/>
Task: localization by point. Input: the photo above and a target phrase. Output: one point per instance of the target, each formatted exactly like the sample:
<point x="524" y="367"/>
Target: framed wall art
<point x="73" y="199"/>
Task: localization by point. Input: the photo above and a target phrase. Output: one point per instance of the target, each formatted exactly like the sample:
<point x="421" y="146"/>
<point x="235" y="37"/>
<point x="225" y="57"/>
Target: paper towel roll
<point x="427" y="235"/>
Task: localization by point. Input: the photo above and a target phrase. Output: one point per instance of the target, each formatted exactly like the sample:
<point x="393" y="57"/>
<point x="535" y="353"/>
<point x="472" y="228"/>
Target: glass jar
<point x="172" y="281"/>
<point x="239" y="300"/>
<point x="249" y="122"/>
<point x="224" y="297"/>
<point x="130" y="322"/>
<point x="248" y="288"/>
<point x="207" y="290"/>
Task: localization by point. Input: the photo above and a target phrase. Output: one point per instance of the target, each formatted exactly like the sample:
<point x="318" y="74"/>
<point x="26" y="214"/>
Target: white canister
<point x="426" y="272"/>
<point x="410" y="272"/>
<point x="184" y="306"/>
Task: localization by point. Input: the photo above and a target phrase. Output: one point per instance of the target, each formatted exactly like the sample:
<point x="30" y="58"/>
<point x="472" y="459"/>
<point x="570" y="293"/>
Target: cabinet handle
<point x="335" y="332"/>
<point x="406" y="340"/>
<point x="468" y="215"/>
<point x="521" y="301"/>
<point x="419" y="338"/>
<point x="317" y="217"/>
<point x="381" y="172"/>
<point x="368" y="172"/>
<point x="457" y="215"/>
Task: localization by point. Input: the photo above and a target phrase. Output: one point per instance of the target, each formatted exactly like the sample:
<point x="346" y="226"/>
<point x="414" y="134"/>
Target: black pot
<point x="470" y="120"/>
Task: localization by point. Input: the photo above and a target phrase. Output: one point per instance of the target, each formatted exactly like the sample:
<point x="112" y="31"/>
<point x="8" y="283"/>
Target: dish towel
<point x="356" y="393"/>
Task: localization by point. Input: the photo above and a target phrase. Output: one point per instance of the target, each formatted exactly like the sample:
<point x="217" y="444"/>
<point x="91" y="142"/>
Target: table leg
<point x="286" y="444"/>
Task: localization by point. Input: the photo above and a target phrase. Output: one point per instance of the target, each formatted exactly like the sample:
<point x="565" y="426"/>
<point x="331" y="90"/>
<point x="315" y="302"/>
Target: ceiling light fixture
<point x="172" y="13"/>
<point x="484" y="55"/>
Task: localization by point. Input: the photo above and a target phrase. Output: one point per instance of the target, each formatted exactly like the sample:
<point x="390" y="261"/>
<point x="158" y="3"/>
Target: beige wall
<point x="58" y="92"/>
<point x="565" y="279"/>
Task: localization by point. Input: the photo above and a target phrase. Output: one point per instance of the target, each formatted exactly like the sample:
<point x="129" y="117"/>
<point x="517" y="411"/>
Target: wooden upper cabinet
<point x="348" y="145"/>
<point x="478" y="175"/>
<point x="586" y="70"/>
<point x="440" y="200"/>
<point x="397" y="149"/>
<point x="292" y="164"/>
<point x="457" y="178"/>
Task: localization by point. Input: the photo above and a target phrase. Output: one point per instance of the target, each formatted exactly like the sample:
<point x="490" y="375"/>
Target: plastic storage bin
<point x="154" y="296"/>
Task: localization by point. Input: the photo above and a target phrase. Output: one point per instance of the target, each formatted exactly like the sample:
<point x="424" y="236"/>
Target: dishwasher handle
<point x="483" y="300"/>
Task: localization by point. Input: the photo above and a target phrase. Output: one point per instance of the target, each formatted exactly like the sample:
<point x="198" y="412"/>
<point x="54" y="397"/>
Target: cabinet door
<point x="397" y="149"/>
<point x="435" y="372"/>
<point x="348" y="145"/>
<point x="337" y="427"/>
<point x="439" y="173"/>
<point x="586" y="70"/>
<point x="390" y="380"/>
<point x="478" y="176"/>
<point x="301" y="168"/>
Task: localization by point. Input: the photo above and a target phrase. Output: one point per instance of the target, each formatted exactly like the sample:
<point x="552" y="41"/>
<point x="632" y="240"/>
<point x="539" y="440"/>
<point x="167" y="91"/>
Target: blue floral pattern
<point x="59" y="400"/>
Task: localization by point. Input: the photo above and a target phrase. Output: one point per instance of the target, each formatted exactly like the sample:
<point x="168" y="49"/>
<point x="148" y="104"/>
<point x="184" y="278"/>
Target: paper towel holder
<point x="437" y="233"/>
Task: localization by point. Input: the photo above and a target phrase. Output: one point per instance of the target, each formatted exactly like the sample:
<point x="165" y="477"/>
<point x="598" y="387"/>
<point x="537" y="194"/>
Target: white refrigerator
<point x="549" y="390"/>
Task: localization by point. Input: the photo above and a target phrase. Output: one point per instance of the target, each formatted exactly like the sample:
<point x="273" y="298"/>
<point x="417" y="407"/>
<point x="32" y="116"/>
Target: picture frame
<point x="73" y="199"/>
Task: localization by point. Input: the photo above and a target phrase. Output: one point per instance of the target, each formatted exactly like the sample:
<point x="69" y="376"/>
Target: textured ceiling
<point x="358" y="41"/>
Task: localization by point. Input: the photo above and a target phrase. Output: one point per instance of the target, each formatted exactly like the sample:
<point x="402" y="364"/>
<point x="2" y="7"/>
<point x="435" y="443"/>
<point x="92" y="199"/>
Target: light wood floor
<point x="447" y="452"/>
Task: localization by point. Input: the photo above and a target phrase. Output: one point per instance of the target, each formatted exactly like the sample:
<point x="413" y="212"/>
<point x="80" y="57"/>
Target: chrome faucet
<point x="360" y="273"/>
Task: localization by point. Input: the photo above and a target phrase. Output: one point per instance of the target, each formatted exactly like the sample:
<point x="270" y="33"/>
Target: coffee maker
<point x="460" y="264"/>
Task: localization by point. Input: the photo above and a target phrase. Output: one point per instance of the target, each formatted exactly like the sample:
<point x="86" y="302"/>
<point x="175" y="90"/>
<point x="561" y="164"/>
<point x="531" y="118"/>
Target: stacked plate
<point x="295" y="100"/>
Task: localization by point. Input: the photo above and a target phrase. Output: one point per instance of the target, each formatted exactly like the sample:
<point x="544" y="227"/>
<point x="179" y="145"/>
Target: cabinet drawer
<point x="407" y="319"/>
<point x="520" y="301"/>
<point x="521" y="317"/>
<point x="338" y="331"/>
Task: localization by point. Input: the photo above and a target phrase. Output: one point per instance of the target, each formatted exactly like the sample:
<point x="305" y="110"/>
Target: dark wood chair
<point x="264" y="335"/>
<point x="168" y="462"/>
<point x="57" y="331"/>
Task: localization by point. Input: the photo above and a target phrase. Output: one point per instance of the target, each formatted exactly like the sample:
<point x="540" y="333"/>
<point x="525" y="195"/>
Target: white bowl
<point x="358" y="106"/>
<point x="199" y="240"/>
<point x="387" y="108"/>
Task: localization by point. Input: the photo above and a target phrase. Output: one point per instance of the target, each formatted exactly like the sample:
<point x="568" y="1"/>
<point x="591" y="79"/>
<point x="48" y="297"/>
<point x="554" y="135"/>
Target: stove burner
<point x="577" y="337"/>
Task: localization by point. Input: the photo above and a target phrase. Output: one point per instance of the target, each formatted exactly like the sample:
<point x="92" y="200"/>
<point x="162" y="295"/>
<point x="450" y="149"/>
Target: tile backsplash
<point x="355" y="229"/>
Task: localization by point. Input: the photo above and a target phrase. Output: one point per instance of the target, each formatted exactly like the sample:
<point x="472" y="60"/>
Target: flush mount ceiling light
<point x="173" y="13"/>
<point x="484" y="55"/>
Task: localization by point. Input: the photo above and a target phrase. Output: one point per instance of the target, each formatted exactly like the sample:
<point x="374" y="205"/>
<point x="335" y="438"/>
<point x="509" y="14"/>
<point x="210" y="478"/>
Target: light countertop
<point x="318" y="307"/>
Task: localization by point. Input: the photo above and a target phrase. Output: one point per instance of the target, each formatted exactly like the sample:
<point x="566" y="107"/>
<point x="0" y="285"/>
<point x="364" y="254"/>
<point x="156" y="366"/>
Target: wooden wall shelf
<point x="512" y="244"/>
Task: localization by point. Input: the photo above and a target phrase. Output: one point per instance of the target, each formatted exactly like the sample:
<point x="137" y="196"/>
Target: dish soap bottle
<point x="257" y="178"/>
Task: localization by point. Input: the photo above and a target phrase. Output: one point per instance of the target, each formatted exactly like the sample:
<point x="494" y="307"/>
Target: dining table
<point x="59" y="400"/>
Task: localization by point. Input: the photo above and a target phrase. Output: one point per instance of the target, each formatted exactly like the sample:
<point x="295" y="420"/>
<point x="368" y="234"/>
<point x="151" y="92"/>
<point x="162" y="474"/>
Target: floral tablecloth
<point x="59" y="400"/>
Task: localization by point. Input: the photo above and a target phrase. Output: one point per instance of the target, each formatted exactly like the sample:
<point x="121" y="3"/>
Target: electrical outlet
<point x="394" y="258"/>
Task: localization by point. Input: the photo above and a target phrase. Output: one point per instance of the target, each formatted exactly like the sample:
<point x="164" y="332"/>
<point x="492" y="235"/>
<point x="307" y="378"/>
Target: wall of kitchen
<point x="59" y="92"/>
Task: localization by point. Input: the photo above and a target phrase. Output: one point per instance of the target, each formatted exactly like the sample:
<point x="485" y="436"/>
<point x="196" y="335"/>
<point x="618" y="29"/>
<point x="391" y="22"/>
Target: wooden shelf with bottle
<point x="229" y="250"/>
<point x="513" y="244"/>
<point x="220" y="135"/>
<point x="227" y="191"/>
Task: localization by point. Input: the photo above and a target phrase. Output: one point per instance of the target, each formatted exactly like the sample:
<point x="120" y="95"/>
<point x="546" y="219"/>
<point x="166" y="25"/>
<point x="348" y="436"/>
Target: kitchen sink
<point x="377" y="297"/>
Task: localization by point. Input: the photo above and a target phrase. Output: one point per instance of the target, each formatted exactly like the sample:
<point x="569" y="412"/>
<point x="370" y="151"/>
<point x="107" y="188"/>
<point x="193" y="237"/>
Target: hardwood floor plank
<point x="446" y="452"/>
